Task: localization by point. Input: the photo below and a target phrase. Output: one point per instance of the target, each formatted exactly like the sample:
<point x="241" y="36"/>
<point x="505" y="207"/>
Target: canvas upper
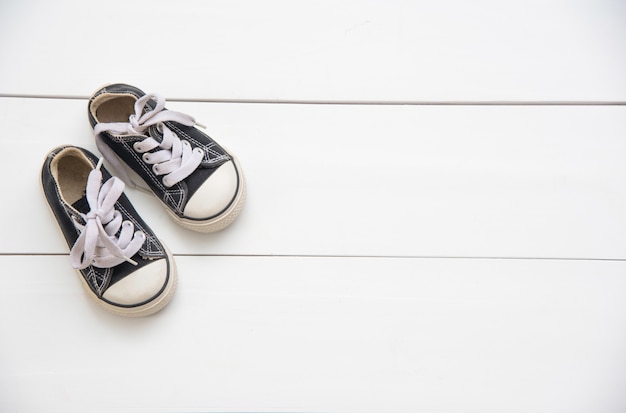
<point x="161" y="151"/>
<point x="122" y="263"/>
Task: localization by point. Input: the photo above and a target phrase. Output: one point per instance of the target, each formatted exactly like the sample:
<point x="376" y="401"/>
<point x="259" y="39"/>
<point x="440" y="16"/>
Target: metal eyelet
<point x="146" y="158"/>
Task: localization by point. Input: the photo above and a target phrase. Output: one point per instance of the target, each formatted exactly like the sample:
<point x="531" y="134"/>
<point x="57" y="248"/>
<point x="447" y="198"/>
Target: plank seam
<point x="357" y="102"/>
<point x="416" y="257"/>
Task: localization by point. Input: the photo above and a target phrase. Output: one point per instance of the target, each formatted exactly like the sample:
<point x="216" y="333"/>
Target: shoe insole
<point x="117" y="109"/>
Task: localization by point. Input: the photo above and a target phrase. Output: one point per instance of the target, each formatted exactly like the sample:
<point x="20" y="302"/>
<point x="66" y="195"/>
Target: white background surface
<point x="437" y="249"/>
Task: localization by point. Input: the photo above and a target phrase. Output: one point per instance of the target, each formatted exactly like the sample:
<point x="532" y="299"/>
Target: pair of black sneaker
<point x="121" y="263"/>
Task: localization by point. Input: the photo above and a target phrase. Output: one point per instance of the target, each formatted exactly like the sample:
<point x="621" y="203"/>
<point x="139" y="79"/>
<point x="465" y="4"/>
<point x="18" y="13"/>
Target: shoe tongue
<point x="153" y="131"/>
<point x="82" y="205"/>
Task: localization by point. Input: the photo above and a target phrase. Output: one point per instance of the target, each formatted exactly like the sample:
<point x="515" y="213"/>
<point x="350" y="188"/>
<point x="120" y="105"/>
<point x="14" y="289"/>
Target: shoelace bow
<point x="97" y="243"/>
<point x="175" y="159"/>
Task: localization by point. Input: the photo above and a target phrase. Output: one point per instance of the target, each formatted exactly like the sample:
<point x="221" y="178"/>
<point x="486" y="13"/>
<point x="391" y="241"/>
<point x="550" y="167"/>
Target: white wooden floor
<point x="436" y="217"/>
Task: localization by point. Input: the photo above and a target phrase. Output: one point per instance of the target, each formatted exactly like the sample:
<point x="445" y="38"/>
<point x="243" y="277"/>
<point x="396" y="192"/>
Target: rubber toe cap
<point x="139" y="286"/>
<point x="215" y="194"/>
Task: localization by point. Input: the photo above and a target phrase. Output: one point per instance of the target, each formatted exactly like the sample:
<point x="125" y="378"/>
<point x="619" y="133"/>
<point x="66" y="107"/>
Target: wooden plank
<point x="368" y="180"/>
<point x="400" y="50"/>
<point x="322" y="334"/>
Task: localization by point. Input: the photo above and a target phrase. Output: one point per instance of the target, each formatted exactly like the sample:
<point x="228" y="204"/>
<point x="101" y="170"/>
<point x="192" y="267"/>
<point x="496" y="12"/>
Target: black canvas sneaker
<point x="122" y="264"/>
<point x="161" y="151"/>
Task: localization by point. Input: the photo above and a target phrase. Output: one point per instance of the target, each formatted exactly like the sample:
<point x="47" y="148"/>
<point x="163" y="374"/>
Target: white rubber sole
<point x="221" y="221"/>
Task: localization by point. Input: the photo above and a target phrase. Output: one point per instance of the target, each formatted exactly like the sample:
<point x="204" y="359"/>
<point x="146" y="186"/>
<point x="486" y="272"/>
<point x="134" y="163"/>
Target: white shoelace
<point x="97" y="243"/>
<point x="175" y="159"/>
